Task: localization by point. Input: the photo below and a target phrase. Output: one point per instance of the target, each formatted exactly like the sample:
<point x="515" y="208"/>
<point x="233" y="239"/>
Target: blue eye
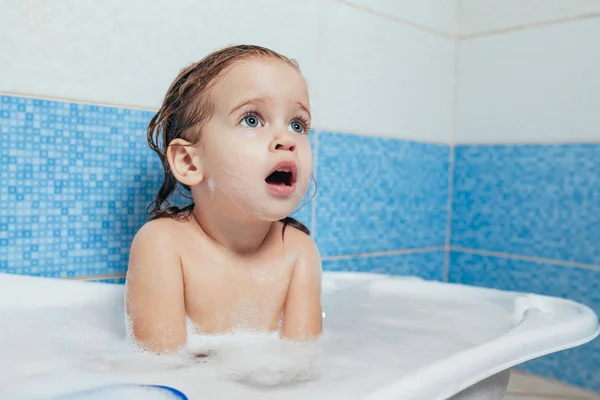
<point x="297" y="127"/>
<point x="250" y="120"/>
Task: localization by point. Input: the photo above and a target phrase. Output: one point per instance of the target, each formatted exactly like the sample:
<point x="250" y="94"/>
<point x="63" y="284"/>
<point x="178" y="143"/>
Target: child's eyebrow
<point x="303" y="108"/>
<point x="251" y="100"/>
<point x="259" y="100"/>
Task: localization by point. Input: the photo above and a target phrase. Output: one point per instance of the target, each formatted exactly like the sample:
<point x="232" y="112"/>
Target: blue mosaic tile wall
<point x="75" y="183"/>
<point x="379" y="194"/>
<point x="76" y="180"/>
<point x="579" y="366"/>
<point x="537" y="201"/>
<point x="533" y="200"/>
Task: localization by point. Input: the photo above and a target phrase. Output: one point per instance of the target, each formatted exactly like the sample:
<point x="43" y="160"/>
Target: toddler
<point x="233" y="132"/>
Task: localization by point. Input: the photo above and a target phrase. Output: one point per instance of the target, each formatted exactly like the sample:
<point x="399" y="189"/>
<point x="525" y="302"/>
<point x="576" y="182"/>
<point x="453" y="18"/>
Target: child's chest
<point x="225" y="293"/>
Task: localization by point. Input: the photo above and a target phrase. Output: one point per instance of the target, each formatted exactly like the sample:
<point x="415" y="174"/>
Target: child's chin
<point x="277" y="213"/>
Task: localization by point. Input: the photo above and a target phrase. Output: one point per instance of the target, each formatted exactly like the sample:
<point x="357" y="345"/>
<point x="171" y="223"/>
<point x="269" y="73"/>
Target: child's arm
<point x="154" y="293"/>
<point x="302" y="312"/>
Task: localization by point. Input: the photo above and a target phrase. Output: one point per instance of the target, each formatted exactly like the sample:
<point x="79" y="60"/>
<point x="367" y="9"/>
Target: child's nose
<point x="284" y="143"/>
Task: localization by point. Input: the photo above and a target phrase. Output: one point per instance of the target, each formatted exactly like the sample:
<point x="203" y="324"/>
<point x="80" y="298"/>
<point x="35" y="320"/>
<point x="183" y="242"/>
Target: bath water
<point x="370" y="338"/>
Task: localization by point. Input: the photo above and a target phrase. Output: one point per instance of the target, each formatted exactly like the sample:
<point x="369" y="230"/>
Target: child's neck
<point x="234" y="236"/>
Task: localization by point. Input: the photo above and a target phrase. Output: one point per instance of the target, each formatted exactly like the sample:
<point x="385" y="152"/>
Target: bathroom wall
<point x="81" y="80"/>
<point x="486" y="109"/>
<point x="526" y="171"/>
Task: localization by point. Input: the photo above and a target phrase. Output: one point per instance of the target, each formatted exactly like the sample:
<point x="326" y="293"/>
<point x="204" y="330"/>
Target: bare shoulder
<point x="155" y="290"/>
<point x="158" y="231"/>
<point x="304" y="245"/>
<point x="155" y="249"/>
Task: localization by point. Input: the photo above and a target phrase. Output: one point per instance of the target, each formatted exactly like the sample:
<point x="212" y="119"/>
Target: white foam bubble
<point x="259" y="359"/>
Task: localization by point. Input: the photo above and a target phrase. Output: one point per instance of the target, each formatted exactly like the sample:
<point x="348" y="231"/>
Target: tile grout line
<point x="313" y="206"/>
<point x="513" y="256"/>
<point x="451" y="159"/>
<point x="535" y="25"/>
<point x="385" y="253"/>
<point x="458" y="6"/>
<point x="458" y="37"/>
<point x="96" y="277"/>
<point x="422" y="28"/>
<point x="545" y="143"/>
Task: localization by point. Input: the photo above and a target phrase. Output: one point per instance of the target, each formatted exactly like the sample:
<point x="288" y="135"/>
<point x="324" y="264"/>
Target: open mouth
<point x="283" y="177"/>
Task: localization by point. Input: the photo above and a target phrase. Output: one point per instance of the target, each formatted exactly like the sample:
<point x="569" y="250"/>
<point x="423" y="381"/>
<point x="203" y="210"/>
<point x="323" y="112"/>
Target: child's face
<point x="259" y="125"/>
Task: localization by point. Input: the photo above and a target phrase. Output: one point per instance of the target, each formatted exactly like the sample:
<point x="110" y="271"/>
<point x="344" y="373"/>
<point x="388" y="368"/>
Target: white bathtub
<point x="384" y="338"/>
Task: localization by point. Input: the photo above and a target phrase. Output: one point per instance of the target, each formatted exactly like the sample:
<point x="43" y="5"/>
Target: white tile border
<point x="76" y="101"/>
<point x="329" y="129"/>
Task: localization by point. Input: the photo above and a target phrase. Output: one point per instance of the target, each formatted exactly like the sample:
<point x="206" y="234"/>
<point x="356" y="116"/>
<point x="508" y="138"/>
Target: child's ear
<point x="185" y="162"/>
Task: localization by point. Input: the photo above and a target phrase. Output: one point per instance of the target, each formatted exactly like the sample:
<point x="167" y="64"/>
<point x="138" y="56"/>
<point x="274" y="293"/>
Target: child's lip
<point x="283" y="190"/>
